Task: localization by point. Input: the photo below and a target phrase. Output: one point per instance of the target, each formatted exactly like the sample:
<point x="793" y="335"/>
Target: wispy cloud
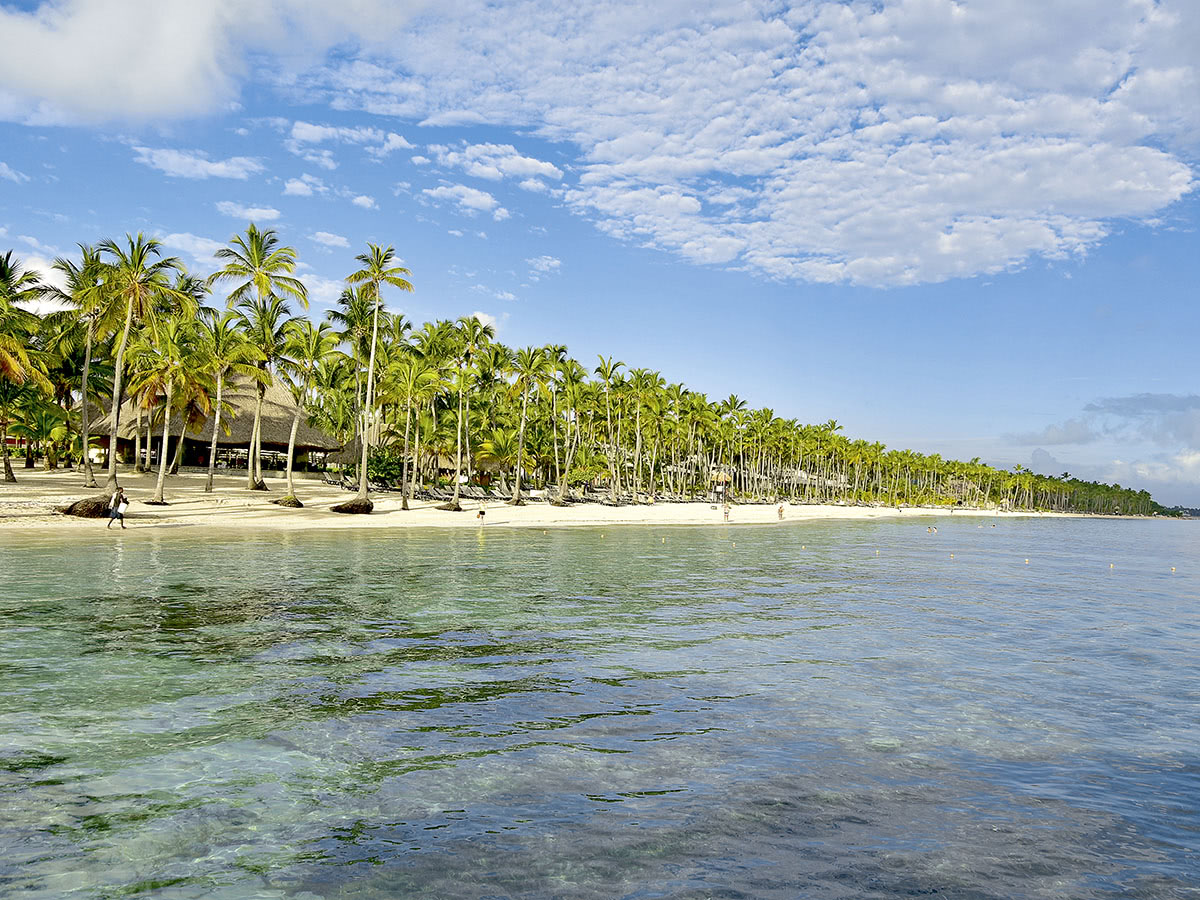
<point x="196" y="164"/>
<point x="328" y="239"/>
<point x="11" y="174"/>
<point x="247" y="213"/>
<point x="468" y="199"/>
<point x="304" y="186"/>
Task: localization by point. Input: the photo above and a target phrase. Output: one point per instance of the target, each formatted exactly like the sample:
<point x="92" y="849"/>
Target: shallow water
<point x="826" y="710"/>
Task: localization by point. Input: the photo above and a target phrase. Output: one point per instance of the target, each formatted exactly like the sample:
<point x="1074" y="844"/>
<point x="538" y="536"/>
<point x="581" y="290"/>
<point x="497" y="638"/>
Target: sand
<point x="30" y="504"/>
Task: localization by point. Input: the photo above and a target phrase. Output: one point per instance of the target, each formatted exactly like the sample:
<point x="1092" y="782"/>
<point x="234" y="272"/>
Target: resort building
<point x="190" y="432"/>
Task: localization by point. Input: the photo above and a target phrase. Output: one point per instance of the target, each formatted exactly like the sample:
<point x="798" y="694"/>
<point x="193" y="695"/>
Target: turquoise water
<point x="820" y="710"/>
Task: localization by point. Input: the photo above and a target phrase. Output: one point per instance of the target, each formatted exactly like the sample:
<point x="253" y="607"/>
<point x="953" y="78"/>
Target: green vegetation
<point x="418" y="403"/>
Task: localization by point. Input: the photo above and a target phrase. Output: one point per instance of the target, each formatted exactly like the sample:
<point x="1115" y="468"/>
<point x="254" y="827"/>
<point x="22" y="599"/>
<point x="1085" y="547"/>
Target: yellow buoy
<point x="1111" y="566"/>
<point x="1026" y="562"/>
<point x="1172" y="568"/>
<point x="952" y="556"/>
<point x="664" y="540"/>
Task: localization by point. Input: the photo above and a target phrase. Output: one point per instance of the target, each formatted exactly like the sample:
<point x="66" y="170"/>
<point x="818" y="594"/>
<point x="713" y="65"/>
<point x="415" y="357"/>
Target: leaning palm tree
<point x="83" y="292"/>
<point x="377" y="270"/>
<point x="137" y="279"/>
<point x="174" y="359"/>
<point x="265" y="323"/>
<point x="307" y="345"/>
<point x="17" y="325"/>
<point x="263" y="270"/>
<point x="228" y="352"/>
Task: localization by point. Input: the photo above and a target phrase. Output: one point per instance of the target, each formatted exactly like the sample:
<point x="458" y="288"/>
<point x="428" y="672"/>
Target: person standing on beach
<point x="780" y="512"/>
<point x="117" y="505"/>
<point x="726" y="510"/>
<point x="482" y="512"/>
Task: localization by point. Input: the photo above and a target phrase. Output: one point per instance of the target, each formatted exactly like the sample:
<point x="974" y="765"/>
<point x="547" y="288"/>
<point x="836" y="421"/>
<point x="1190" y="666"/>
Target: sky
<point x="966" y="228"/>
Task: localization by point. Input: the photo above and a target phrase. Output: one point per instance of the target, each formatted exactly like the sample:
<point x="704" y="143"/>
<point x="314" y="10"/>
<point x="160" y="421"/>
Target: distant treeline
<point x="441" y="397"/>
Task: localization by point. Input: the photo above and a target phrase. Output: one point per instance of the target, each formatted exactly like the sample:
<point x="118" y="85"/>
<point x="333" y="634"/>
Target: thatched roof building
<point x="237" y="423"/>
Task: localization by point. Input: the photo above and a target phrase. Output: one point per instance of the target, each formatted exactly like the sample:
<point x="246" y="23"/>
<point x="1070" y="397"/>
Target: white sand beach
<point x="31" y="503"/>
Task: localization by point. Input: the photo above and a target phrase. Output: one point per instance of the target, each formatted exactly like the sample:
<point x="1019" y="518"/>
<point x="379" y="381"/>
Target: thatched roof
<point x="237" y="421"/>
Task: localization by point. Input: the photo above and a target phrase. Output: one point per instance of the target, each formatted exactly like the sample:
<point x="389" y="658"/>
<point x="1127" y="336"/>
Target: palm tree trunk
<point x="162" y="456"/>
<point x="148" y="467"/>
<point x="462" y="389"/>
<point x="291" y="490"/>
<point x="404" y="473"/>
<point x="179" y="448"/>
<point x="111" y="484"/>
<point x="212" y="449"/>
<point x="516" y="497"/>
<point x="137" y="441"/>
<point x="8" y="472"/>
<point x="89" y="477"/>
<point x="370" y="404"/>
<point x="250" y="454"/>
<point x="416" y="473"/>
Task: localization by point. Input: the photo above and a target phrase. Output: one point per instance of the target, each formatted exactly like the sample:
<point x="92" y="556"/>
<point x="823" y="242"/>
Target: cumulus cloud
<point x="247" y="213"/>
<point x="365" y="202"/>
<point x="6" y="171"/>
<point x="322" y="292"/>
<point x="201" y="250"/>
<point x="328" y="239"/>
<point x="304" y="136"/>
<point x="468" y="199"/>
<point x="494" y="162"/>
<point x="196" y="164"/>
<point x="900" y="143"/>
<point x="304" y="186"/>
<point x="151" y="59"/>
<point x="908" y="142"/>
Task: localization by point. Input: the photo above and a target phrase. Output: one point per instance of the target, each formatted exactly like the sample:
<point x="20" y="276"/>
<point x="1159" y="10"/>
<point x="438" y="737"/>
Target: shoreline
<point x="30" y="503"/>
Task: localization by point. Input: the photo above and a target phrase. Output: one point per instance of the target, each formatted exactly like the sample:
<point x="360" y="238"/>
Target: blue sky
<point x="966" y="228"/>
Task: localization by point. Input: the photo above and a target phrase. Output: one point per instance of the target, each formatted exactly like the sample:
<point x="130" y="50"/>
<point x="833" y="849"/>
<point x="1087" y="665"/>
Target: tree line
<point x="133" y="324"/>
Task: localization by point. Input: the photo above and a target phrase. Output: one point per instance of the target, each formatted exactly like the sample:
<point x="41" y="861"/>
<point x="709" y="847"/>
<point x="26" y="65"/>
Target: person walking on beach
<point x="482" y="512"/>
<point x="117" y="505"/>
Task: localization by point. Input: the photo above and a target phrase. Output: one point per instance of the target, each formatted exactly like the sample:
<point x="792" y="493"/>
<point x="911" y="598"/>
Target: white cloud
<point x="322" y="292"/>
<point x="455" y="232"/>
<point x="391" y="143"/>
<point x="43" y="267"/>
<point x="201" y="250"/>
<point x="329" y="240"/>
<point x="304" y="186"/>
<point x="494" y="161"/>
<point x="247" y="213"/>
<point x="486" y="318"/>
<point x="544" y="264"/>
<point x="377" y="143"/>
<point x="468" y="199"/>
<point x="6" y="171"/>
<point x="897" y="143"/>
<point x="195" y="164"/>
<point x="103" y="60"/>
<point x="365" y="202"/>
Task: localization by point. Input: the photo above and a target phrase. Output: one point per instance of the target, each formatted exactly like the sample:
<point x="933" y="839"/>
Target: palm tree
<point x="265" y="323"/>
<point x="84" y="292"/>
<point x="307" y="345"/>
<point x="532" y="367"/>
<point x="263" y="268"/>
<point x="414" y="375"/>
<point x="228" y="351"/>
<point x="17" y="325"/>
<point x="137" y="280"/>
<point x="377" y="270"/>
<point x="606" y="370"/>
<point x="473" y="335"/>
<point x="174" y="359"/>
